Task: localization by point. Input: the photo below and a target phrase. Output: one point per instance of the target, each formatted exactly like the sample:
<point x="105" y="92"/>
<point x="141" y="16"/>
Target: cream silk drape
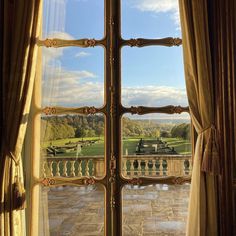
<point x="202" y="215"/>
<point x="21" y="27"/>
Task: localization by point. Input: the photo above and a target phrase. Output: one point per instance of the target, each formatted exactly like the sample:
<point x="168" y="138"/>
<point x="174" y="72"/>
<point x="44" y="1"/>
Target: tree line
<point x="78" y="126"/>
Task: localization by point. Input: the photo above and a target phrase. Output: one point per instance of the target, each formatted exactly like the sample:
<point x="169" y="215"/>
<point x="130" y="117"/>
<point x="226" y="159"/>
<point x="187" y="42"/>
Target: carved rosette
<point x="89" y="181"/>
<point x="135" y="181"/>
<point x="48" y="181"/>
<point x="49" y="110"/>
<point x="50" y="43"/>
<point x="176" y="41"/>
<point x="89" y="110"/>
<point x="180" y="180"/>
<point x="176" y="109"/>
<point x="90" y="42"/>
<point x="136" y="110"/>
<point x="134" y="42"/>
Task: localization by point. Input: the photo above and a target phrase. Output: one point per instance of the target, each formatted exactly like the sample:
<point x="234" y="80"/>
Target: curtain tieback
<point x="211" y="157"/>
<point x="18" y="190"/>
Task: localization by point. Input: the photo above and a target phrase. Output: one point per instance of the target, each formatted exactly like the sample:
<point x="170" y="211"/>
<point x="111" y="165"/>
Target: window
<point x="105" y="139"/>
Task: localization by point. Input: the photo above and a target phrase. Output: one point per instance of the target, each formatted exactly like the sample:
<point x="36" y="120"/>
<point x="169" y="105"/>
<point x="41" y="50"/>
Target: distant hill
<point x="165" y="121"/>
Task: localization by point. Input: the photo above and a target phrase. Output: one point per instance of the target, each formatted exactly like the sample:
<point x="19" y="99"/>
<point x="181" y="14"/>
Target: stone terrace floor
<point x="147" y="211"/>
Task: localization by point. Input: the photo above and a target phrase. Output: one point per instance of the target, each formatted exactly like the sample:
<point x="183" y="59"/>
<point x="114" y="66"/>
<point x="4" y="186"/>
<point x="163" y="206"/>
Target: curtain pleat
<point x="202" y="214"/>
<point x="21" y="27"/>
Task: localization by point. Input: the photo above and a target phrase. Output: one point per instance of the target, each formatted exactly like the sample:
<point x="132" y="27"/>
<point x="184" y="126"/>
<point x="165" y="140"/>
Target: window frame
<point x="113" y="180"/>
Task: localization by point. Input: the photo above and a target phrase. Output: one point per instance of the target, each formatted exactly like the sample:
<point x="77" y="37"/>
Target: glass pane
<point x="161" y="17"/>
<point x="73" y="19"/>
<point x="72" y="145"/>
<point x="71" y="210"/>
<point x="155" y="210"/>
<point x="156" y="145"/>
<point x="73" y="77"/>
<point x="153" y="76"/>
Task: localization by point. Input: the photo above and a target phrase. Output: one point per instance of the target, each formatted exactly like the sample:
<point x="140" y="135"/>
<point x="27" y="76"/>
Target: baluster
<point x="58" y="168"/>
<point x="131" y="167"/>
<point x="153" y="168"/>
<point x="139" y="167"/>
<point x="167" y="167"/>
<point x="156" y="164"/>
<point x="86" y="167"/>
<point x="72" y="168"/>
<point x="79" y="168"/>
<point x="184" y="170"/>
<point x="50" y="168"/>
<point x="92" y="167"/>
<point x="161" y="167"/>
<point x="145" y="167"/>
<point x="64" y="170"/>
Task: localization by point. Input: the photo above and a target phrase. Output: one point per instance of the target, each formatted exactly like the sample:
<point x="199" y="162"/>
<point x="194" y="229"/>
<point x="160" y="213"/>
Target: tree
<point x="80" y="132"/>
<point x="165" y="134"/>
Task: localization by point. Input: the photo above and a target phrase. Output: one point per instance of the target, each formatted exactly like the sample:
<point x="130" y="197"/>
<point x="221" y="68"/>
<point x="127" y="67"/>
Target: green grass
<point x="96" y="149"/>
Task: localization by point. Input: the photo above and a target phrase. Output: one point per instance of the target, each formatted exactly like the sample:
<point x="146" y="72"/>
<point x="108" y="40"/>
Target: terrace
<point x="158" y="209"/>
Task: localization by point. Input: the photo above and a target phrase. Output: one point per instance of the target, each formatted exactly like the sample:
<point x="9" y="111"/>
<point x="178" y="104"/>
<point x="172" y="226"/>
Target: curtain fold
<point x="20" y="29"/>
<point x="202" y="215"/>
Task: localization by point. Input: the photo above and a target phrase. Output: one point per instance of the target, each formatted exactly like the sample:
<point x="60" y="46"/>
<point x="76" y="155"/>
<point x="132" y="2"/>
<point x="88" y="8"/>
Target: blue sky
<point x="151" y="76"/>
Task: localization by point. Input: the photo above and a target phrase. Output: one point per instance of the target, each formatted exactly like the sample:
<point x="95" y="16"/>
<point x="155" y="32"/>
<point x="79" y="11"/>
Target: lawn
<point x="128" y="144"/>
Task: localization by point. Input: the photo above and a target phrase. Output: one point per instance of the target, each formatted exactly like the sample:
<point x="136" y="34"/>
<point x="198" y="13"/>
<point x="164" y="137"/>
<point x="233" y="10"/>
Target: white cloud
<point x="70" y="88"/>
<point x="52" y="55"/>
<point x="82" y="54"/>
<point x="154" y="96"/>
<point x="79" y="88"/>
<point x="160" y="6"/>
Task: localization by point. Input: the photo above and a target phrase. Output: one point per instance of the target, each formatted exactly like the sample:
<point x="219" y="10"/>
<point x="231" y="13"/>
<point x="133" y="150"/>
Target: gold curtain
<point x="202" y="214"/>
<point x="20" y="29"/>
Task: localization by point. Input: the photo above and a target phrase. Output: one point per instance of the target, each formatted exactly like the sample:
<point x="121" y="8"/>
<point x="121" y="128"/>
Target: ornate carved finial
<point x="89" y="110"/>
<point x="90" y="42"/>
<point x="136" y="110"/>
<point x="89" y="181"/>
<point x="177" y="41"/>
<point x="48" y="181"/>
<point x="135" y="181"/>
<point x="50" y="43"/>
<point x="49" y="110"/>
<point x="179" y="180"/>
<point x="176" y="109"/>
<point x="133" y="42"/>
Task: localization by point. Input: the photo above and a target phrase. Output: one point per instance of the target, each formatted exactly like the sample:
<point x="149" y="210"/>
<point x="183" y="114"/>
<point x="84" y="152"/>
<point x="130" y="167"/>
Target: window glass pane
<point x="72" y="145"/>
<point x="153" y="76"/>
<point x="71" y="210"/>
<point x="73" y="77"/>
<point x="73" y="19"/>
<point x="158" y="209"/>
<point x="156" y="145"/>
<point x="150" y="19"/>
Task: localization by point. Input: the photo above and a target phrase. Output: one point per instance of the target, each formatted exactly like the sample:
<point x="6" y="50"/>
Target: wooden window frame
<point x="113" y="180"/>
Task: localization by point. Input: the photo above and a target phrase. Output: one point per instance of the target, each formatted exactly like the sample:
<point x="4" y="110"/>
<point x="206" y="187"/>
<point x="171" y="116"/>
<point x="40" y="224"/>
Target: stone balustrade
<point x="151" y="165"/>
<point x="132" y="165"/>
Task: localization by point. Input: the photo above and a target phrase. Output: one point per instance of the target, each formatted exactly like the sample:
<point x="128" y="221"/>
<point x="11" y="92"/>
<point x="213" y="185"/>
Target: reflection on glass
<point x="73" y="77"/>
<point x="72" y="145"/>
<point x="153" y="76"/>
<point x="156" y="145"/>
<point x="155" y="210"/>
<point x="71" y="210"/>
<point x="150" y="19"/>
<point x="73" y="19"/>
